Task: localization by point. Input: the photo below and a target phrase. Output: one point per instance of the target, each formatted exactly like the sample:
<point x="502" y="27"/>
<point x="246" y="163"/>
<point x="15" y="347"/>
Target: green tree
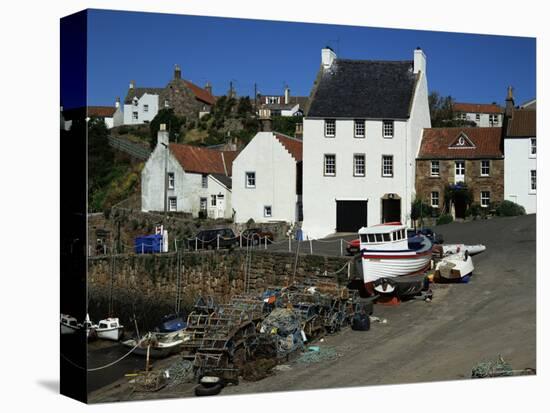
<point x="286" y="124"/>
<point x="173" y="123"/>
<point x="100" y="153"/>
<point x="441" y="112"/>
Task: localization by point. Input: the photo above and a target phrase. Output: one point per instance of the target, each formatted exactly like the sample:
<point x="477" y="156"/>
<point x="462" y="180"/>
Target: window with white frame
<point x="203" y="204"/>
<point x="250" y="179"/>
<point x="146" y="108"/>
<point x="434" y="199"/>
<point x="213" y="200"/>
<point x="460" y="168"/>
<point x="134" y="115"/>
<point x="172" y="203"/>
<point x="533" y="146"/>
<point x="387" y="128"/>
<point x="359" y="164"/>
<point x="267" y="211"/>
<point x="387" y="165"/>
<point x="485" y="198"/>
<point x="434" y="168"/>
<point x="171" y="180"/>
<point x="204" y="180"/>
<point x="485" y="167"/>
<point x="478" y="117"/>
<point x="330" y="165"/>
<point x="166" y="103"/>
<point x="359" y="128"/>
<point x="330" y="127"/>
<point x="493" y="119"/>
<point x="533" y="180"/>
<point x="135" y="101"/>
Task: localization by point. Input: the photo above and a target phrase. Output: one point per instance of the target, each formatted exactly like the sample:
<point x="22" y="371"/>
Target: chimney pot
<point x="162" y="136"/>
<point x="177" y="72"/>
<point x="327" y="57"/>
<point x="419" y="64"/>
<point x="132" y="84"/>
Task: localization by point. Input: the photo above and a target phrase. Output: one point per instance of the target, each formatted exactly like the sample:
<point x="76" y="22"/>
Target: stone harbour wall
<point x="146" y="285"/>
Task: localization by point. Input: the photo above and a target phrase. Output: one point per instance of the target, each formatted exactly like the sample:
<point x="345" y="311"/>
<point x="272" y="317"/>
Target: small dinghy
<point x="160" y="344"/>
<point x="69" y="325"/>
<point x="457" y="248"/>
<point x="109" y="329"/>
<point x="457" y="267"/>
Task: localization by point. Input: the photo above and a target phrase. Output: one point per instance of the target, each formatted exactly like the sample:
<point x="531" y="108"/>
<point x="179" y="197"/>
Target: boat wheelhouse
<point x="387" y="251"/>
<point x="69" y="324"/>
<point x="109" y="329"/>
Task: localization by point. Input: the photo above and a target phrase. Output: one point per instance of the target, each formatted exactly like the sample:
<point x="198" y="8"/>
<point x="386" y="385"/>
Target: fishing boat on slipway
<point x="388" y="252"/>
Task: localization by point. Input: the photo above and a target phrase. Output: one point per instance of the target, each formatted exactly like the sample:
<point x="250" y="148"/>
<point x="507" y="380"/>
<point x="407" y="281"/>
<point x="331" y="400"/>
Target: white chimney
<point x="117" y="102"/>
<point x="419" y="61"/>
<point x="162" y="137"/>
<point x="287" y="95"/>
<point x="327" y="57"/>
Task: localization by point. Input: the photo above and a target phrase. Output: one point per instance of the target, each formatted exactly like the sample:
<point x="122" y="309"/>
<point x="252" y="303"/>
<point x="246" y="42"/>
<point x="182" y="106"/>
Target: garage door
<point x="350" y="215"/>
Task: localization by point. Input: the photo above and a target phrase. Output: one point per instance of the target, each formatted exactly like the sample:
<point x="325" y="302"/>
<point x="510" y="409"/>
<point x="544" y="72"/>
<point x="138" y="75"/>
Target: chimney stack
<point x="132" y="84"/>
<point x="162" y="136"/>
<point x="208" y="87"/>
<point x="419" y="61"/>
<point x="117" y="102"/>
<point x="509" y="102"/>
<point x="265" y="119"/>
<point x="287" y="95"/>
<point x="177" y="72"/>
<point x="327" y="57"/>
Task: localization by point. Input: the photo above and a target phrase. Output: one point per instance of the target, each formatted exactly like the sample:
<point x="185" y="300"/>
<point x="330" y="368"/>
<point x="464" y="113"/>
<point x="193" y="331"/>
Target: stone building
<point x="469" y="158"/>
<point x="187" y="99"/>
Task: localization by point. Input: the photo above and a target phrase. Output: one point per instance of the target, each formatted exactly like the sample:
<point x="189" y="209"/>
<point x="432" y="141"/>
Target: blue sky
<point x="144" y="47"/>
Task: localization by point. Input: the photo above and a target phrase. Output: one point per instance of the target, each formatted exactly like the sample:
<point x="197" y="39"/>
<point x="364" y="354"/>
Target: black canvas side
<point x="73" y="171"/>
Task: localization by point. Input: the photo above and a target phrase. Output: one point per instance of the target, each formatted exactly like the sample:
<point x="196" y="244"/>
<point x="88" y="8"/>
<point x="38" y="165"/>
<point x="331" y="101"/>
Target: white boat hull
<point x="458" y="248"/>
<point x="455" y="266"/>
<point x="65" y="329"/>
<point x="375" y="268"/>
<point x="113" y="334"/>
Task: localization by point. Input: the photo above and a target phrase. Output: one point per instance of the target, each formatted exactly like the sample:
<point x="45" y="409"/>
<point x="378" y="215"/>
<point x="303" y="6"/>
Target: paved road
<point x="442" y="340"/>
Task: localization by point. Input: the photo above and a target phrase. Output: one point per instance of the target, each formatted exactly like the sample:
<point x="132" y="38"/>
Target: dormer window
<point x="493" y="119"/>
<point x="387" y="128"/>
<point x="330" y="128"/>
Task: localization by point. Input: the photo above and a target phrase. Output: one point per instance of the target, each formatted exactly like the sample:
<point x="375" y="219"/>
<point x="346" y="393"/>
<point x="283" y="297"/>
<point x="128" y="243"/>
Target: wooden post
<point x="218" y="241"/>
<point x="147" y="360"/>
<point x="241" y="240"/>
<point x="341" y="246"/>
<point x="265" y="242"/>
<point x="311" y="247"/>
<point x="196" y="244"/>
<point x="289" y="244"/>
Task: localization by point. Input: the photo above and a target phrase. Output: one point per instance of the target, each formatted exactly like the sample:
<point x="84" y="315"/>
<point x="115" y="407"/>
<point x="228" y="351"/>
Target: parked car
<point x="209" y="239"/>
<point x="255" y="236"/>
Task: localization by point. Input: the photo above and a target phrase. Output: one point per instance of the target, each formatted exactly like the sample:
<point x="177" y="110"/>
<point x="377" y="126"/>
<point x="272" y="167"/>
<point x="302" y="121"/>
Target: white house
<point x="282" y="105"/>
<point x="482" y="114"/>
<point x="111" y="115"/>
<point x="267" y="179"/>
<point x="141" y="104"/>
<point x="520" y="156"/>
<point x="185" y="178"/>
<point x="361" y="137"/>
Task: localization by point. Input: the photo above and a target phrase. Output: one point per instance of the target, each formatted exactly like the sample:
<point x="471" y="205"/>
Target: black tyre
<point x="211" y="381"/>
<point x="200" y="390"/>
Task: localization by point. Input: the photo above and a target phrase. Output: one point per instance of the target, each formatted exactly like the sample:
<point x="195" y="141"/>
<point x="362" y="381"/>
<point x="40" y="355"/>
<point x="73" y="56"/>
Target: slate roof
<point x="224" y="179"/>
<point x="292" y="145"/>
<point x="523" y="123"/>
<point x="140" y="91"/>
<point x="477" y="108"/>
<point x="203" y="160"/>
<point x="436" y="141"/>
<point x="364" y="89"/>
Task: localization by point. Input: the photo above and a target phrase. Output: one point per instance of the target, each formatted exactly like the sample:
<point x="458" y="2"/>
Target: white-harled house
<point x="267" y="178"/>
<point x="520" y="155"/>
<point x="141" y="104"/>
<point x="361" y="136"/>
<point x="185" y="178"/>
<point x="484" y="115"/>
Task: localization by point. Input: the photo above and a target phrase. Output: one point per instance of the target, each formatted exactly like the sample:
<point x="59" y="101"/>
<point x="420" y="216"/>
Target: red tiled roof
<point x="477" y="108"/>
<point x="523" y="123"/>
<point x="203" y="160"/>
<point x="292" y="145"/>
<point x="101" y="111"/>
<point x="436" y="141"/>
<point x="200" y="93"/>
